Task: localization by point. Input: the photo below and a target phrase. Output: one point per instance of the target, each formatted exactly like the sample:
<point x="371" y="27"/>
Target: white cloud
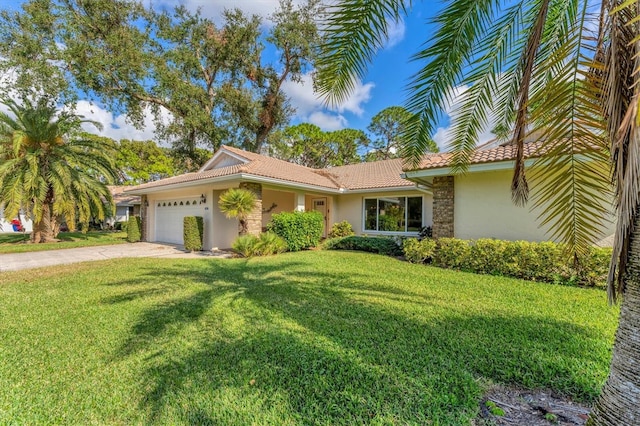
<point x="116" y="126"/>
<point x="308" y="104"/>
<point x="214" y="9"/>
<point x="327" y="121"/>
<point x="395" y="32"/>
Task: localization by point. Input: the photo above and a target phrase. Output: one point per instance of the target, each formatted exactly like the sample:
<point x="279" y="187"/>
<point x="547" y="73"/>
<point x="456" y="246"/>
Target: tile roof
<point x="270" y="167"/>
<point x="479" y="156"/>
<point x="377" y="174"/>
<point x="380" y="174"/>
<point x="122" y="199"/>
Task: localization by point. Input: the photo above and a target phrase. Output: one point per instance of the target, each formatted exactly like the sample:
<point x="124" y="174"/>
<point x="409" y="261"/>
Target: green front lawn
<point x="301" y="338"/>
<point x="19" y="243"/>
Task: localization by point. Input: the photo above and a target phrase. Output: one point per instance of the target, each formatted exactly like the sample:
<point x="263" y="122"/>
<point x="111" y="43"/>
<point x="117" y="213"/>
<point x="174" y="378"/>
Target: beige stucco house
<point x="373" y="197"/>
<point x="478" y="204"/>
<point x="377" y="198"/>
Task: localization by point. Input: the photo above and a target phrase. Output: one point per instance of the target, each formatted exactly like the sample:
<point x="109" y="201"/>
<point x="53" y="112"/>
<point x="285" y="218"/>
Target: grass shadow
<point x="293" y="342"/>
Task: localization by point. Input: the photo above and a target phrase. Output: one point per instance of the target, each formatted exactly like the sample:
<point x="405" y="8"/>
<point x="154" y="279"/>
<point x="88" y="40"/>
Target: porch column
<point x="254" y="221"/>
<point x="143" y="217"/>
<point x="443" y="200"/>
<point x="300" y="201"/>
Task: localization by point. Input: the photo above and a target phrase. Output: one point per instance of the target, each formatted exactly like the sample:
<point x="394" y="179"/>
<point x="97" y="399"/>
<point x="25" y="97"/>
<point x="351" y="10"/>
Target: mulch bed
<point x="530" y="408"/>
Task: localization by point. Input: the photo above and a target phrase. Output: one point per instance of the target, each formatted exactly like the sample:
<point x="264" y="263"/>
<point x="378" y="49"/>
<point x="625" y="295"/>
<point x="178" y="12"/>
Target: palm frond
<point x="353" y="32"/>
<point x="460" y="24"/>
<point x="619" y="64"/>
<point x="494" y="50"/>
<point x="572" y="190"/>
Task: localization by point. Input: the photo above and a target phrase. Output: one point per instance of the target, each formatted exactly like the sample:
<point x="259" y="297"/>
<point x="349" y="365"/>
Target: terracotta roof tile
<point x="500" y="153"/>
<point x="378" y="174"/>
<point x="120" y="198"/>
<point x="257" y="165"/>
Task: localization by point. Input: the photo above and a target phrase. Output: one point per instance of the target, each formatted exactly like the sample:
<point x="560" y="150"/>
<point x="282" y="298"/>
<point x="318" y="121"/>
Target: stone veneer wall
<point x="443" y="196"/>
<point x="143" y="218"/>
<point x="254" y="221"/>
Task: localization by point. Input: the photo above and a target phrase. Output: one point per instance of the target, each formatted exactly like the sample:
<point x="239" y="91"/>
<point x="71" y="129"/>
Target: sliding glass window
<point x="393" y="214"/>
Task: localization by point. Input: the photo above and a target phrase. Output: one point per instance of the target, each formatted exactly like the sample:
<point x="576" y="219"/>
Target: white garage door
<point x="170" y="215"/>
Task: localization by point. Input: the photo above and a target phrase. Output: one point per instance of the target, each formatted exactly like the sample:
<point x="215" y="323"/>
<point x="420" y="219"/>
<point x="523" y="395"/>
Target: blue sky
<point x="383" y="86"/>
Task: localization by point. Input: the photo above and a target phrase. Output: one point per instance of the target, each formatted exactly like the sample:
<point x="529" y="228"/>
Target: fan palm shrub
<point x="238" y="203"/>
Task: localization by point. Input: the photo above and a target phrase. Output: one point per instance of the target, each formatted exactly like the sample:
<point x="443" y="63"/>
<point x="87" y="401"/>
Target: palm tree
<point x="49" y="172"/>
<point x="566" y="70"/>
<point x="238" y="203"/>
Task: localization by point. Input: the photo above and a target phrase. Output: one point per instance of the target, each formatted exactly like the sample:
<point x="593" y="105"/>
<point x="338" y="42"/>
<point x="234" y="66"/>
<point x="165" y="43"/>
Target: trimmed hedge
<point x="542" y="261"/>
<point x="300" y="230"/>
<point x="418" y="251"/>
<point x="193" y="233"/>
<point x="380" y="245"/>
<point x="134" y="229"/>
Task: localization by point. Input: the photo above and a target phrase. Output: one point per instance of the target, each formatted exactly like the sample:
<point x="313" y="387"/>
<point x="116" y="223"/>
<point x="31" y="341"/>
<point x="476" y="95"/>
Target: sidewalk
<point x="19" y="261"/>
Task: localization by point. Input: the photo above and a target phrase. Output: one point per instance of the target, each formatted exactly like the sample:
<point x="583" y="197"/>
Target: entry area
<point x="170" y="215"/>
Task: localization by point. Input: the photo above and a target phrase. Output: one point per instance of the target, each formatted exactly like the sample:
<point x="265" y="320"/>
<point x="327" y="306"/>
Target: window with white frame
<point x="393" y="214"/>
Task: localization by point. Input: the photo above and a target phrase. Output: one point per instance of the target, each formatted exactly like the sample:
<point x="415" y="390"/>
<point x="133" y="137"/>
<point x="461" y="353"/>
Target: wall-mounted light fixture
<point x="146" y="203"/>
<point x="203" y="199"/>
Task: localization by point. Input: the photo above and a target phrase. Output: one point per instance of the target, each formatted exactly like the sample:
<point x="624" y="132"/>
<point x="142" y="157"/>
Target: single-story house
<point x="371" y="196"/>
<point x="127" y="205"/>
<point x="377" y="198"/>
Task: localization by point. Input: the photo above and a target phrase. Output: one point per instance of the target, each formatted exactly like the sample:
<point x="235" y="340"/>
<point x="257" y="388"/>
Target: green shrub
<point x="341" y="229"/>
<point x="543" y="261"/>
<point x="451" y="253"/>
<point x="300" y="230"/>
<point x="380" y="245"/>
<point x="267" y="244"/>
<point x="193" y="233"/>
<point x="418" y="251"/>
<point x="245" y="245"/>
<point x="134" y="229"/>
<point x="595" y="267"/>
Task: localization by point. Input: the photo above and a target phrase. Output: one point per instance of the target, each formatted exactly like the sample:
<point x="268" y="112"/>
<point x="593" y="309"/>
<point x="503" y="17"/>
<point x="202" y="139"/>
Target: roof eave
<point x="236" y="176"/>
<point x="411" y="187"/>
<point x="415" y="175"/>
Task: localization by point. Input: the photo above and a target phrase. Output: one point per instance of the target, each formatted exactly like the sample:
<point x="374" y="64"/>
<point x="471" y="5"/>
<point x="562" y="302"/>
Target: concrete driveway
<point x="18" y="261"/>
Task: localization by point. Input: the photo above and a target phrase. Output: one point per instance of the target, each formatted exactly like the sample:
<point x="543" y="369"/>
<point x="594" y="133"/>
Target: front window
<point x="393" y="214"/>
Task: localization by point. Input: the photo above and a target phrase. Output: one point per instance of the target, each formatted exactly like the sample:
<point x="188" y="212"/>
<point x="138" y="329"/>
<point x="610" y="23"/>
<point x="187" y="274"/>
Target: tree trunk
<point x="242" y="227"/>
<point x="619" y="401"/>
<point x="43" y="230"/>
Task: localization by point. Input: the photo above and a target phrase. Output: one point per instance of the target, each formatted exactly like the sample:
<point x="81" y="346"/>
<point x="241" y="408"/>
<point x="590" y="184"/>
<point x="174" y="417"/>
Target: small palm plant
<point x="238" y="203"/>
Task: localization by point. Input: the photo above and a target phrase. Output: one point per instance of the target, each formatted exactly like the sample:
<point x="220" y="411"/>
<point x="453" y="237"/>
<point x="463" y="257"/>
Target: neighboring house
<point x="377" y="198"/>
<point x="10" y="224"/>
<point x="478" y="204"/>
<point x="371" y="196"/>
<point x="127" y="205"/>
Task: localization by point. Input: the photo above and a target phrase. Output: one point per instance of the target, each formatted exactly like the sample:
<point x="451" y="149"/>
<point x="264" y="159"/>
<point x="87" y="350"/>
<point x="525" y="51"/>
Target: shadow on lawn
<point x="267" y="345"/>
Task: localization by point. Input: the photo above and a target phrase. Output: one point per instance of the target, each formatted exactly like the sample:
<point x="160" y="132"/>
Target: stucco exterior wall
<point x="349" y="207"/>
<point x="483" y="209"/>
<point x="284" y="201"/>
<point x="224" y="230"/>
